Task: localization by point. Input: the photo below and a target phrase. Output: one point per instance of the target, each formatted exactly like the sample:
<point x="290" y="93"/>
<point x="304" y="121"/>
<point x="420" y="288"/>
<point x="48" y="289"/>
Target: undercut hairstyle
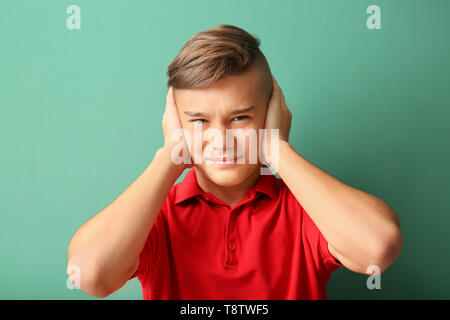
<point x="215" y="53"/>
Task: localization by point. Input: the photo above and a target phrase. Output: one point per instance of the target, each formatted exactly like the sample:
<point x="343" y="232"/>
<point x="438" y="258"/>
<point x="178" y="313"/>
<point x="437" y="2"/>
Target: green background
<point x="81" y="118"/>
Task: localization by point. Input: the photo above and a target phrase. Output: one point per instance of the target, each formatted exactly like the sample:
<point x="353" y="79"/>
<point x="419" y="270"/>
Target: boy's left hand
<point x="278" y="117"/>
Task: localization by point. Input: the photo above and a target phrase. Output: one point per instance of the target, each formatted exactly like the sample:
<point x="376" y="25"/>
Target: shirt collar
<point x="189" y="187"/>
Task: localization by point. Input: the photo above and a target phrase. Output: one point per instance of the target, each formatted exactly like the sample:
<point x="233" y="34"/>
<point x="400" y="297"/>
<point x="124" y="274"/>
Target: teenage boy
<point x="227" y="231"/>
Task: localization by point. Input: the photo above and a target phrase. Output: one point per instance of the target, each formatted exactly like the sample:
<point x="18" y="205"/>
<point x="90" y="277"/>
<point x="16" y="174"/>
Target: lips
<point x="223" y="161"/>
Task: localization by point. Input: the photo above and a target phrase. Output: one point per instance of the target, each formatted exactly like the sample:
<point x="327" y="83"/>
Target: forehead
<point x="230" y="92"/>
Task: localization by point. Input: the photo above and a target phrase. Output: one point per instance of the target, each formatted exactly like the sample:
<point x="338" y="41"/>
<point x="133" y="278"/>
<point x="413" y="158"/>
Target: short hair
<point x="215" y="53"/>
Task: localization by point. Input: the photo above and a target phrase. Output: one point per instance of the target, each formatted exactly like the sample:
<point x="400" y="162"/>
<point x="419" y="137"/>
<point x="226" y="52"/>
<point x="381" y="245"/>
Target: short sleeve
<point x="148" y="252"/>
<point x="314" y="244"/>
<point x="331" y="263"/>
<point x="319" y="245"/>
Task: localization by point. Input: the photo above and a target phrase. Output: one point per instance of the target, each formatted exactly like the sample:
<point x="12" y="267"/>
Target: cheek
<point x="201" y="144"/>
<point x="189" y="138"/>
<point x="249" y="140"/>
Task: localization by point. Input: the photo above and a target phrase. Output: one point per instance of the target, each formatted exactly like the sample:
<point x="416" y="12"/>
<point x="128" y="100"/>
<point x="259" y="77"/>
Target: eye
<point x="199" y="120"/>
<point x="240" y="118"/>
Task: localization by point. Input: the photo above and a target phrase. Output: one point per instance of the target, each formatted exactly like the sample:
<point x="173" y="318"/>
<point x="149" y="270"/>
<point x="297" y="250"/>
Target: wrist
<point x="275" y="149"/>
<point x="162" y="171"/>
<point x="170" y="153"/>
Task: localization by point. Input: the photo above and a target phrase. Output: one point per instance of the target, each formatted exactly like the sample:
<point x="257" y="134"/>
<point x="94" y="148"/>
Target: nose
<point x="219" y="143"/>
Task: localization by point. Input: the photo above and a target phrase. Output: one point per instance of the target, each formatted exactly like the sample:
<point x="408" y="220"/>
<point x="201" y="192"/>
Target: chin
<point x="228" y="176"/>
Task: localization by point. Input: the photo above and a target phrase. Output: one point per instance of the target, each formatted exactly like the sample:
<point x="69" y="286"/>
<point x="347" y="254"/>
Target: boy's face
<point x="235" y="102"/>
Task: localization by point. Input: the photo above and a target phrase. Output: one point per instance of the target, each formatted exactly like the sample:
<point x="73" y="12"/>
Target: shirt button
<point x="232" y="246"/>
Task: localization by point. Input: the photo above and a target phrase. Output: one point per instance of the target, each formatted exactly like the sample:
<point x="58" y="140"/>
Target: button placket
<point x="230" y="242"/>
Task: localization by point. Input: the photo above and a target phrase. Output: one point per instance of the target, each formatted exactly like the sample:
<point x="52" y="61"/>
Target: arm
<point x="107" y="247"/>
<point x="361" y="229"/>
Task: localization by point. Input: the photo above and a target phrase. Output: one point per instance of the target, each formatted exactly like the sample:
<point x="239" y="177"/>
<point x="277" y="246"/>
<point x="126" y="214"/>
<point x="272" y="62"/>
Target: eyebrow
<point x="234" y="112"/>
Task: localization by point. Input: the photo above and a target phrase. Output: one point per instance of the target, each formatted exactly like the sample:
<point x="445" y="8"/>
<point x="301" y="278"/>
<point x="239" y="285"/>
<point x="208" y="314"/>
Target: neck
<point x="228" y="194"/>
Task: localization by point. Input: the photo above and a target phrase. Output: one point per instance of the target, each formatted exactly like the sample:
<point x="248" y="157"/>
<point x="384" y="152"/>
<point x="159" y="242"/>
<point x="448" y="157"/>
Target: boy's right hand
<point x="171" y="123"/>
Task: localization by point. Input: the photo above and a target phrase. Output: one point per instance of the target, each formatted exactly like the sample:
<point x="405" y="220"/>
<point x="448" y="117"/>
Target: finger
<point x="275" y="91"/>
<point x="171" y="107"/>
<point x="169" y="98"/>
<point x="275" y="82"/>
<point x="279" y="92"/>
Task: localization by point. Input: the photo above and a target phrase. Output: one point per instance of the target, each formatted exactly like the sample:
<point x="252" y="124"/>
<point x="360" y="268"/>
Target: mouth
<point x="223" y="161"/>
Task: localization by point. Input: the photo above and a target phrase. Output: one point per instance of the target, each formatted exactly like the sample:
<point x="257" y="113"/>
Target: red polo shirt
<point x="265" y="247"/>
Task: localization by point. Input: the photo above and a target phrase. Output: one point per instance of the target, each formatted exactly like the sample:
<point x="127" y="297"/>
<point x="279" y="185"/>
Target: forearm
<point x="358" y="225"/>
<point x="110" y="242"/>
